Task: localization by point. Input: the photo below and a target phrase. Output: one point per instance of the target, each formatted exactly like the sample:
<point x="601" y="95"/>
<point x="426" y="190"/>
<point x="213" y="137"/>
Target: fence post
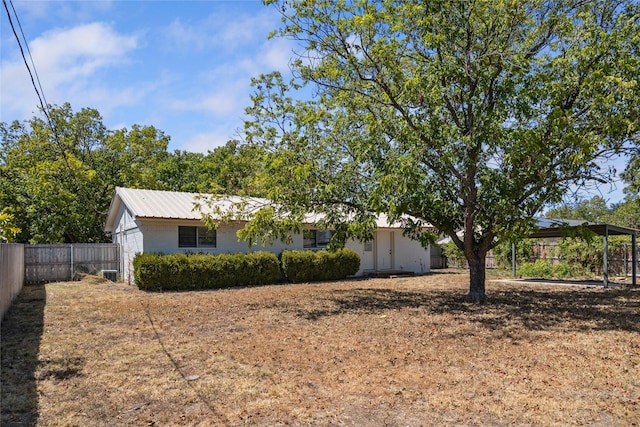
<point x="513" y="259"/>
<point x="605" y="257"/>
<point x="634" y="258"/>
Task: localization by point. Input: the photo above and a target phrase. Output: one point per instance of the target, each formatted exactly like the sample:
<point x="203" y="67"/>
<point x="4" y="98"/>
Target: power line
<point x="43" y="104"/>
<point x="46" y="104"/>
<point x="33" y="81"/>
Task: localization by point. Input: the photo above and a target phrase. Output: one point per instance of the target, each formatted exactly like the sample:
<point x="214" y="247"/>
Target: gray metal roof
<point x="552" y="227"/>
<point x="177" y="205"/>
<point x="159" y="204"/>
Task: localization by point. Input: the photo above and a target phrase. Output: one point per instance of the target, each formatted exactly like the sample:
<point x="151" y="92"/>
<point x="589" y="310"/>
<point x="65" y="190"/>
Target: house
<point x="166" y="222"/>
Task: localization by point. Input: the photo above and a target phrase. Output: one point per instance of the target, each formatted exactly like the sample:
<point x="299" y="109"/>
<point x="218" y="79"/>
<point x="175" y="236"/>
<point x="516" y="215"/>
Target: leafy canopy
<point x="463" y="115"/>
<point x="56" y="186"/>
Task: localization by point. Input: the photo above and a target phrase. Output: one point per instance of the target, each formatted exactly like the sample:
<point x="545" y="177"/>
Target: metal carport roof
<point x="551" y="227"/>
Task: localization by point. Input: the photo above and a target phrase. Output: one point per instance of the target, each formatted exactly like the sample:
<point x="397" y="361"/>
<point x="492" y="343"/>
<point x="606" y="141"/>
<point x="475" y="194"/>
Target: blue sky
<point x="181" y="66"/>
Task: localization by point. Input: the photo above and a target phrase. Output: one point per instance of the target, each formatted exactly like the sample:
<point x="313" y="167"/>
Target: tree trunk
<point x="477" y="268"/>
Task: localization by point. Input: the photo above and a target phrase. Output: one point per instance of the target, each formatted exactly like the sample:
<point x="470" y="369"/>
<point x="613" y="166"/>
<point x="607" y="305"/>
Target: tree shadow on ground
<point x="613" y="309"/>
<point x="20" y="338"/>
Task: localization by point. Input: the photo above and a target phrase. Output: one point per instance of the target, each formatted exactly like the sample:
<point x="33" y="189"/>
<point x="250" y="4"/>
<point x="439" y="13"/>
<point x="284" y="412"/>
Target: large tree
<point x="57" y="176"/>
<point x="465" y="115"/>
<point x="227" y="169"/>
<point x="593" y="210"/>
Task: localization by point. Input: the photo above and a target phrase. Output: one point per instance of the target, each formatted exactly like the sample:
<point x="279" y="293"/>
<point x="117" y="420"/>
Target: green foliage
<point x="577" y="257"/>
<point x="502" y="252"/>
<point x="224" y="170"/>
<point x="632" y="175"/>
<point x="465" y="116"/>
<point x="586" y="257"/>
<point x="58" y="185"/>
<point x="314" y="266"/>
<point x="626" y="213"/>
<point x="538" y="268"/>
<point x="562" y="271"/>
<point x="180" y="272"/>
<point x="592" y="210"/>
<point x="7" y="230"/>
<point x="452" y="252"/>
<point x="544" y="269"/>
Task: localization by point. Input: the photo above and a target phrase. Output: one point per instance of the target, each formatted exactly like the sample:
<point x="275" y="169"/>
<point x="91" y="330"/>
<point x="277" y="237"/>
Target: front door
<point x="384" y="250"/>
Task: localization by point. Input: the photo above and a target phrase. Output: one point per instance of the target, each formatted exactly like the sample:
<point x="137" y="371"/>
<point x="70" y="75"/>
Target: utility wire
<point x="43" y="104"/>
<point x="24" y="58"/>
<point x="46" y="104"/>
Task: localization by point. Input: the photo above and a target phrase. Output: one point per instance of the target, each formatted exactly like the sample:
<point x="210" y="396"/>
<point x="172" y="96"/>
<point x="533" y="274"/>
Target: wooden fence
<point x="53" y="263"/>
<point x="11" y="274"/>
<point x="619" y="259"/>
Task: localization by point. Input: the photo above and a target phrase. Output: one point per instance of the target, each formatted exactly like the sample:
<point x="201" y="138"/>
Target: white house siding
<point x="148" y="221"/>
<point x="162" y="236"/>
<point x="367" y="262"/>
<point x="128" y="234"/>
<point x="406" y="254"/>
<point x="409" y="255"/>
<point x="390" y="250"/>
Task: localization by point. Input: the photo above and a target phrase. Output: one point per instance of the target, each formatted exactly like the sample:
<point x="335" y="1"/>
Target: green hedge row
<point x="204" y="271"/>
<point x="310" y="266"/>
<point x="181" y="272"/>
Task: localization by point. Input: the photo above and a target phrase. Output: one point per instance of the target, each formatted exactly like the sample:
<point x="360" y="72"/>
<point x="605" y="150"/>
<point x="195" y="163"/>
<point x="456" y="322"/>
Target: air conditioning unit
<point x="111" y="275"/>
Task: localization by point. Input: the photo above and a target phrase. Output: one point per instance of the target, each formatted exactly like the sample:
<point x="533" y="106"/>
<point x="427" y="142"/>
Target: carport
<point x="549" y="228"/>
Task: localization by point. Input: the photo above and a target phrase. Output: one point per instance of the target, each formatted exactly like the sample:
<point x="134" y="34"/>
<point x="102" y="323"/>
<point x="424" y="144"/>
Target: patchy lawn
<point x="394" y="352"/>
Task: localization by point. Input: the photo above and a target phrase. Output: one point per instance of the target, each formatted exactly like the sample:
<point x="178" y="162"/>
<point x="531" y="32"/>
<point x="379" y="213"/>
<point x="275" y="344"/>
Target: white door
<point x="384" y="250"/>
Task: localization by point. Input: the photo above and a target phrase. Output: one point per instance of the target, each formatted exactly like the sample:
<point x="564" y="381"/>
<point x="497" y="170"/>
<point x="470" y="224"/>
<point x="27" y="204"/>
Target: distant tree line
<point x="57" y="180"/>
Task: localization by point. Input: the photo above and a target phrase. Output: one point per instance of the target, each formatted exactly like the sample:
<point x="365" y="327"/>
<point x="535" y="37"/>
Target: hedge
<point x="311" y="266"/>
<point x="204" y="271"/>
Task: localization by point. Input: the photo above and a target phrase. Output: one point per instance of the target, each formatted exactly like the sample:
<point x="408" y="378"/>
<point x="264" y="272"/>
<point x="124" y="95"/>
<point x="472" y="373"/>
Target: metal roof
<point x="178" y="205"/>
<point x="555" y="227"/>
<point x="552" y="227"/>
<point x="158" y="204"/>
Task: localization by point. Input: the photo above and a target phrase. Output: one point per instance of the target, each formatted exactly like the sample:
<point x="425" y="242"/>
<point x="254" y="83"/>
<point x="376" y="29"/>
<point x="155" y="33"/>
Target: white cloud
<point x="203" y="142"/>
<point x="66" y="55"/>
<point x="67" y="62"/>
<point x="218" y="103"/>
<point x="226" y="30"/>
<point x="276" y="55"/>
<point x="72" y="11"/>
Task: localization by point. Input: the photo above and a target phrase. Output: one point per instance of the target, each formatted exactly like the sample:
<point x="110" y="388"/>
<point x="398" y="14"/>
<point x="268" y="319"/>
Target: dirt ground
<point x="376" y="352"/>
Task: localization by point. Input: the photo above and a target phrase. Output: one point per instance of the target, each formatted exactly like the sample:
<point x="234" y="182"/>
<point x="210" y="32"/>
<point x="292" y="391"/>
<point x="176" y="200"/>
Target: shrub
<point x="453" y="253"/>
<point x="204" y="271"/>
<point x="540" y="268"/>
<point x="524" y="251"/>
<point x="310" y="266"/>
<point x="562" y="271"/>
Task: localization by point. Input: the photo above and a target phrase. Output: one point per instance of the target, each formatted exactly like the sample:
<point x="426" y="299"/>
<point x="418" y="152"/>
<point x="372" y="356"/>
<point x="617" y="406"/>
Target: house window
<point x="317" y="238"/>
<point x="196" y="237"/>
<point x="368" y="246"/>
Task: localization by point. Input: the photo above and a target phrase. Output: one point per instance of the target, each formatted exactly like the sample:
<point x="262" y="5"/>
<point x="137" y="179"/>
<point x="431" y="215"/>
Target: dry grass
<point x="396" y="352"/>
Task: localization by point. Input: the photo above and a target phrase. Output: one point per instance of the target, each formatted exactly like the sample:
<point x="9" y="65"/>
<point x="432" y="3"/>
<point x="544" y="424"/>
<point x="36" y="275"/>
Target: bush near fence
<point x="181" y="272"/>
<point x="569" y="257"/>
<point x="312" y="266"/>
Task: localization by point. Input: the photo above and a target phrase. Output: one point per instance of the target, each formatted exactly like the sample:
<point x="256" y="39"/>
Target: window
<point x="317" y="238"/>
<point x="368" y="246"/>
<point x="196" y="237"/>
